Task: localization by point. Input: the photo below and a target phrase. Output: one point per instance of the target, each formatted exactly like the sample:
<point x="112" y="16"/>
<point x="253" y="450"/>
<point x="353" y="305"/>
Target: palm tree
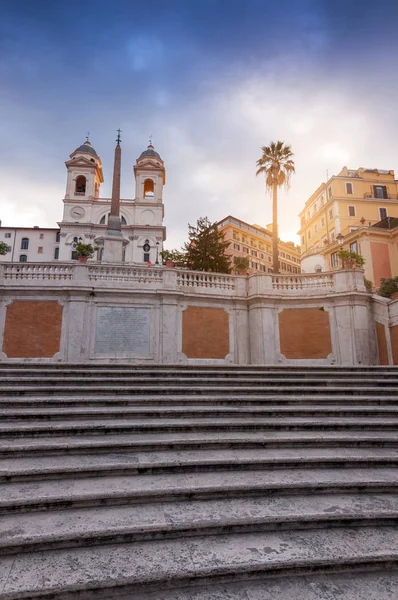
<point x="277" y="165"/>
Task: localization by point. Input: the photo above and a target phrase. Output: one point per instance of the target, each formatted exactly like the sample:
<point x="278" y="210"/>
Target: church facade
<point x="85" y="214"/>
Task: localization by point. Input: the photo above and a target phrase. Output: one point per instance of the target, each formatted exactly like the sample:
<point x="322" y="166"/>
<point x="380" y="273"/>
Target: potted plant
<point x="84" y="251"/>
<point x="389" y="287"/>
<point x="241" y="264"/>
<point x="3" y="248"/>
<point x="350" y="260"/>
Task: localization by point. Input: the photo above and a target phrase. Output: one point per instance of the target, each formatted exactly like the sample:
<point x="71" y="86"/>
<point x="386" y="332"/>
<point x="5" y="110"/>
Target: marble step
<point x="264" y="381"/>
<point x="120" y="524"/>
<point x="353" y="585"/>
<point x="116" y="490"/>
<point x="169" y="401"/>
<point x="217" y="440"/>
<point x="196" y="411"/>
<point x="110" y="570"/>
<point x="173" y="461"/>
<point x="154" y="425"/>
<point x="343" y="390"/>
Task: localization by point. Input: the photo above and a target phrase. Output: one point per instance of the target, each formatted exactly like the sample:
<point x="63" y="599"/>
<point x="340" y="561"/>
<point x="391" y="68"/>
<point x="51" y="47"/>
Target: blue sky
<point x="212" y="81"/>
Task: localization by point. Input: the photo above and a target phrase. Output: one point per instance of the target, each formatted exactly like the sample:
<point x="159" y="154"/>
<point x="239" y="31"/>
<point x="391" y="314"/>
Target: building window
<point x="254" y="253"/>
<point x="351" y="211"/>
<point x="380" y="191"/>
<point x="263" y="268"/>
<point x="294" y="269"/>
<point x="56" y="253"/>
<point x="244" y="240"/>
<point x="289" y="268"/>
<point x="40" y="250"/>
<point x="23" y="258"/>
<point x="149" y="187"/>
<point x="246" y="250"/>
<point x="288" y="257"/>
<point x="269" y="259"/>
<point x="334" y="261"/>
<point x="7" y="235"/>
<point x="262" y="255"/>
<point x="332" y="235"/>
<point x="323" y="222"/>
<point x="74" y="255"/>
<point x="24" y="244"/>
<point x="349" y="188"/>
<point x="80" y="187"/>
<point x="331" y="214"/>
<point x="354" y="247"/>
<point x="383" y="213"/>
<point x="146" y="248"/>
<point x="330" y="191"/>
<point x="283" y="266"/>
<point x="58" y="236"/>
<point x="236" y="247"/>
<point x="282" y="254"/>
<point x="41" y="236"/>
<point x="235" y="235"/>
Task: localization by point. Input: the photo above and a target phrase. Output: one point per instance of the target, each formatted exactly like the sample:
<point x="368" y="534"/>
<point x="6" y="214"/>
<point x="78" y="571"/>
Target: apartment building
<point x="352" y="201"/>
<point x="255" y="242"/>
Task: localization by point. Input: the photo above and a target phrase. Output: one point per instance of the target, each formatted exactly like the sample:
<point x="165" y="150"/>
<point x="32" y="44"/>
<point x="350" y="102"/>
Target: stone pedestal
<point x="112" y="248"/>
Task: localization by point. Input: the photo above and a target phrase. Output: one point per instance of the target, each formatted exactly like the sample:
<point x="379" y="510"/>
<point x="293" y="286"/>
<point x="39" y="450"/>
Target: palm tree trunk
<point x="275" y="259"/>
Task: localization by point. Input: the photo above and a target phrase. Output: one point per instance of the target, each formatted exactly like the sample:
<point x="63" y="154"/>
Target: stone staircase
<point x="198" y="483"/>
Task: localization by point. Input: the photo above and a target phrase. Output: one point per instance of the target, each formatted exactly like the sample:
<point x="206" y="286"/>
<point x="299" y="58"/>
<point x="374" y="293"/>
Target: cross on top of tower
<point x="119" y="131"/>
<point x="87" y="136"/>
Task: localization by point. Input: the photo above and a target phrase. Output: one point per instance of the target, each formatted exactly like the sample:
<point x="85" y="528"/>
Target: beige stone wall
<point x="205" y="332"/>
<point x="394" y="343"/>
<point x="305" y="333"/>
<point x="382" y="344"/>
<point x="32" y="329"/>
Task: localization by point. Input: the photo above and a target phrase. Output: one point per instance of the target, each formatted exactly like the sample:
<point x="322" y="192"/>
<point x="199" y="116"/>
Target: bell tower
<point x="150" y="177"/>
<point x="84" y="174"/>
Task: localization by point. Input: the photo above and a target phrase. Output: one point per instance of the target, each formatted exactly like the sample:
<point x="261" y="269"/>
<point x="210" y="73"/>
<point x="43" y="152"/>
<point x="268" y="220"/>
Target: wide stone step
<point x="218" y="440"/>
<point x="111" y="569"/>
<point x="265" y="381"/>
<point x="352" y="585"/>
<point x="171" y="461"/>
<point x="198" y="411"/>
<point x="88" y="527"/>
<point x="130" y="425"/>
<point x="343" y="390"/>
<point x="110" y="491"/>
<point x="168" y="401"/>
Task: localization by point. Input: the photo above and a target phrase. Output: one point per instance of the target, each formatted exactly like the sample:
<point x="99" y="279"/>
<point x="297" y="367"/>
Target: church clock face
<point x="77" y="212"/>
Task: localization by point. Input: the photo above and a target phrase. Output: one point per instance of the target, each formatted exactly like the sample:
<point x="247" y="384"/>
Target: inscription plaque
<point x="122" y="330"/>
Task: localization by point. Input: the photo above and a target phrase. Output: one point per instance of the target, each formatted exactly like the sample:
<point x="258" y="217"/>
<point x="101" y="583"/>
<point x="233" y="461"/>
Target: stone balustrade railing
<point x="187" y="282"/>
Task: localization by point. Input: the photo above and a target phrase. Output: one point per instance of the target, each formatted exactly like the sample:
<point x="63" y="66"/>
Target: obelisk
<point x="112" y="244"/>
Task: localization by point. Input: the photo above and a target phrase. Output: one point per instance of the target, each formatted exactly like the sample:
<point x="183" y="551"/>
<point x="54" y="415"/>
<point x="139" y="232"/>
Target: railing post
<point x="80" y="272"/>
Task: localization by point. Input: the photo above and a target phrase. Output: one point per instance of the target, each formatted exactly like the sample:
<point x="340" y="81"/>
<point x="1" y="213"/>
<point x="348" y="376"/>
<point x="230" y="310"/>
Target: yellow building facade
<point x="255" y="242"/>
<point x="351" y="204"/>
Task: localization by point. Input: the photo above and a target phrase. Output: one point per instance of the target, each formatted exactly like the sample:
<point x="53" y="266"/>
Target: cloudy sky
<point x="212" y="81"/>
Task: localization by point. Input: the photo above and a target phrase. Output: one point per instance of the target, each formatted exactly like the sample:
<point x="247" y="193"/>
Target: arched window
<point x="80" y="188"/>
<point x="122" y="220"/>
<point x="149" y="187"/>
<point x="147" y="251"/>
<point x="23" y="258"/>
<point x="24" y="243"/>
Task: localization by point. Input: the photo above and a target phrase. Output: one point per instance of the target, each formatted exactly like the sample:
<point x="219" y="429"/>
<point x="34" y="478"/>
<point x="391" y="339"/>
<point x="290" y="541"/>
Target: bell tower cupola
<point x="150" y="176"/>
<point x="84" y="173"/>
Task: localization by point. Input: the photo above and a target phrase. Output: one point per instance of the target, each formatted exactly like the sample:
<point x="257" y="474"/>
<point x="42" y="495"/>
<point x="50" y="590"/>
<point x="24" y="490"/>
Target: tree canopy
<point x="276" y="164"/>
<point x="206" y="248"/>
